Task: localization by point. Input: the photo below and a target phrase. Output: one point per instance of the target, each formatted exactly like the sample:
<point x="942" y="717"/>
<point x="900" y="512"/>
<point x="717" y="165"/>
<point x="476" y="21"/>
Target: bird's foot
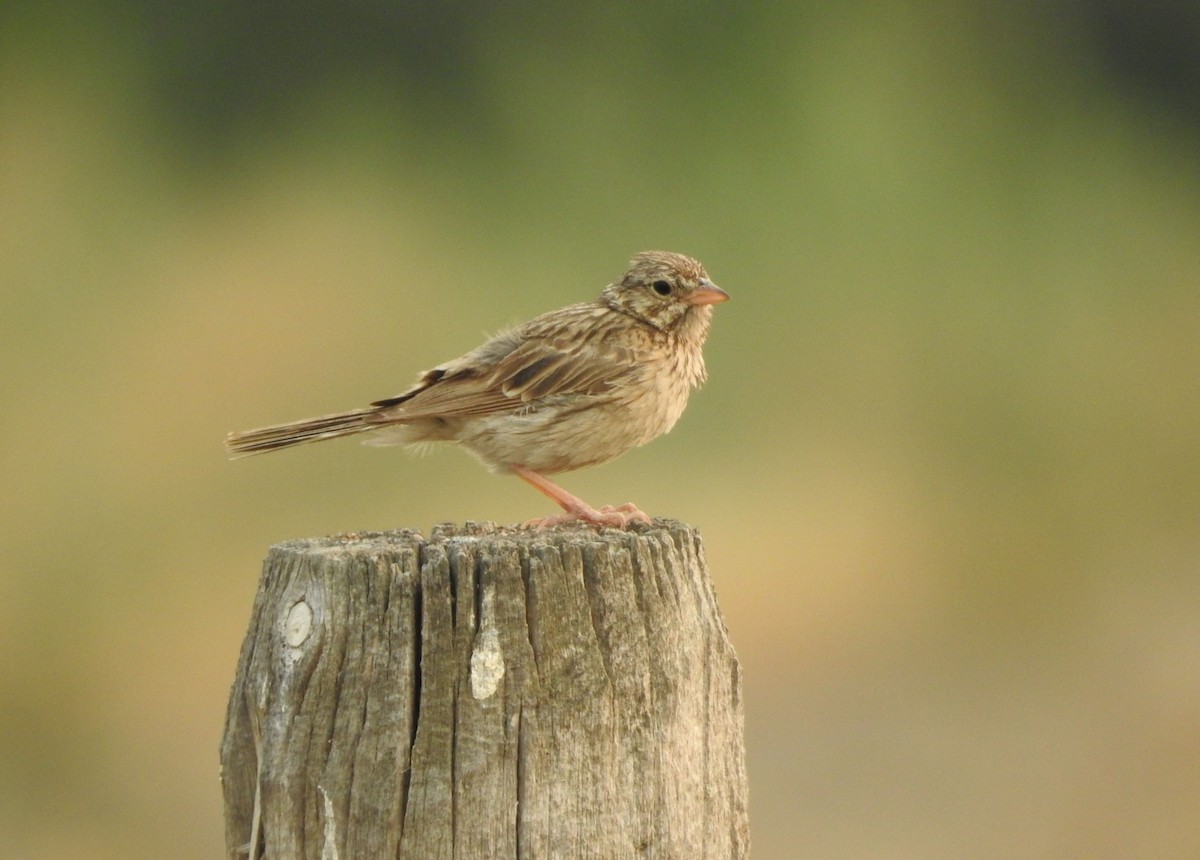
<point x="577" y="510"/>
<point x="612" y="516"/>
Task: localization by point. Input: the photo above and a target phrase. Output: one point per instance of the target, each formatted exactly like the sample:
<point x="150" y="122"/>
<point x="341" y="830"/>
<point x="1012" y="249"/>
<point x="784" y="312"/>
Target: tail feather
<point x="262" y="439"/>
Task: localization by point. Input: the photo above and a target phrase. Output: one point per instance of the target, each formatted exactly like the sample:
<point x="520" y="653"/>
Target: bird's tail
<point x="263" y="439"/>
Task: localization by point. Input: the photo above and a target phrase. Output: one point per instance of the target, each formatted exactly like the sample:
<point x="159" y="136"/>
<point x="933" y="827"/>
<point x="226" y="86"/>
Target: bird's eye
<point x="663" y="288"/>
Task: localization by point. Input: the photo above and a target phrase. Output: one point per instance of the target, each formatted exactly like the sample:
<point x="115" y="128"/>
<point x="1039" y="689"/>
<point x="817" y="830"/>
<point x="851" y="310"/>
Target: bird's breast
<point x="665" y="394"/>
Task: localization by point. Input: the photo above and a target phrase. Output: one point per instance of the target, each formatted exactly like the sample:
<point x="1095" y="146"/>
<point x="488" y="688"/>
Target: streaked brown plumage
<point x="571" y="388"/>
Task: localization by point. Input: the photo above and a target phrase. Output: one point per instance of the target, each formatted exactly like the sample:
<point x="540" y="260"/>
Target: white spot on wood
<point x="298" y="626"/>
<point x="329" y="849"/>
<point x="487" y="660"/>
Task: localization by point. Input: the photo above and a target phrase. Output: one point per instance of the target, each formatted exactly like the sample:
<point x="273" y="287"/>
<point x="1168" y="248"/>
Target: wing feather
<point x="544" y="358"/>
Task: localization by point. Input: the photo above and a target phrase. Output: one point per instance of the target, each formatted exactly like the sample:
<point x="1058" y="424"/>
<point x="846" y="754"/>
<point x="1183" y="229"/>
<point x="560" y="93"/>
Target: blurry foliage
<point x="946" y="464"/>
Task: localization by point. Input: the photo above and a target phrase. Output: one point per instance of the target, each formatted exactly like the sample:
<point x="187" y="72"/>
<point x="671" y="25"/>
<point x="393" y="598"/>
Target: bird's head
<point x="665" y="290"/>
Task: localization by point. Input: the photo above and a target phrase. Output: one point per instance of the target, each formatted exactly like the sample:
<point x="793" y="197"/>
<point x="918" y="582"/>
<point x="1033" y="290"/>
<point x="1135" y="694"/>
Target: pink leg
<point x="577" y="509"/>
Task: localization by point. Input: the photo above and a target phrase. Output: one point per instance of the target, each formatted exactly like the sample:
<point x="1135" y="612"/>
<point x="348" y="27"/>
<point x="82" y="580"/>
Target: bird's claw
<point x="629" y="511"/>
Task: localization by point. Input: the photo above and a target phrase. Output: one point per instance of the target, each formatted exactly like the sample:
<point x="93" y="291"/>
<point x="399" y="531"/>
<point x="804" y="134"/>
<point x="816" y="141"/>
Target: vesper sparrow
<point x="571" y="388"/>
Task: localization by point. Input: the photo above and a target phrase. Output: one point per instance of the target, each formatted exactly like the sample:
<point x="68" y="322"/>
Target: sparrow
<point x="571" y="388"/>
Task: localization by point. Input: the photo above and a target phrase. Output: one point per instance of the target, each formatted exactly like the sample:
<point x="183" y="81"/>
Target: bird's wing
<point x="576" y="350"/>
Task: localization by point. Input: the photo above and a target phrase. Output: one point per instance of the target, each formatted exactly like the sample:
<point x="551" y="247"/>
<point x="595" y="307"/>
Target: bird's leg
<point x="576" y="508"/>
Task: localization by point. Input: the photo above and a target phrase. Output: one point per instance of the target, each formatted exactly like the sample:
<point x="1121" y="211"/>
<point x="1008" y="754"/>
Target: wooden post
<point x="486" y="693"/>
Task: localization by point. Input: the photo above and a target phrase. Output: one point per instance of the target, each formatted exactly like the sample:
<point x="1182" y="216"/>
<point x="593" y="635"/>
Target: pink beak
<point x="707" y="293"/>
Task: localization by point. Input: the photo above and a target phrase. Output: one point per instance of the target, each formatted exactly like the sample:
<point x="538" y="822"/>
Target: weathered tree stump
<point x="486" y="693"/>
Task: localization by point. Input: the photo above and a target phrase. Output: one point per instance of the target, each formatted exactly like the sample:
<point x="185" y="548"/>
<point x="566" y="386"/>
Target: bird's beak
<point x="707" y="293"/>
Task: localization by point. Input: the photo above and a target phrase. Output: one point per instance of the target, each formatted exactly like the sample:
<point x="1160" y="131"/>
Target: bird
<point x="574" y="387"/>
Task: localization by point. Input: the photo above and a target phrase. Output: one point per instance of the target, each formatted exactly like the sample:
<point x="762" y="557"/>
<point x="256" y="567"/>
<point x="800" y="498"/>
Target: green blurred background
<point x="947" y="465"/>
